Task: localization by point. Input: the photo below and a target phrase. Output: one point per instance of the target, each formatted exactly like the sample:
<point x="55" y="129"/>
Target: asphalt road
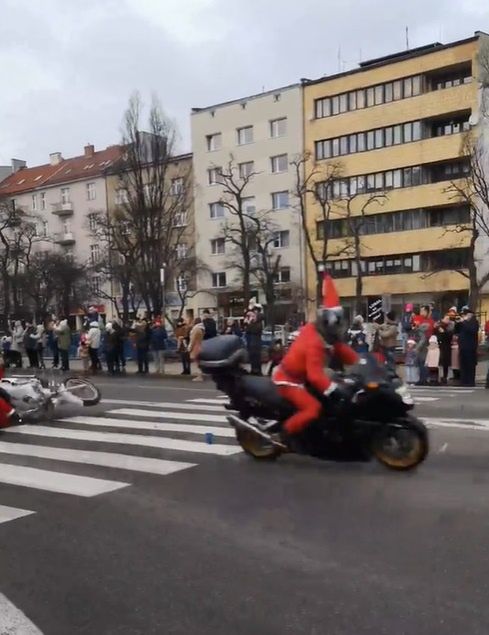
<point x="226" y="546"/>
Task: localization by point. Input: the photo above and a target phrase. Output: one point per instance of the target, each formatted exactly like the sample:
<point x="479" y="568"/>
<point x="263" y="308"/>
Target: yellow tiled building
<point x="395" y="126"/>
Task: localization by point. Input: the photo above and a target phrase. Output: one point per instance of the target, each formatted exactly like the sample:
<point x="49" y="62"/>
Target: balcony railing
<point x="62" y="209"/>
<point x="64" y="238"/>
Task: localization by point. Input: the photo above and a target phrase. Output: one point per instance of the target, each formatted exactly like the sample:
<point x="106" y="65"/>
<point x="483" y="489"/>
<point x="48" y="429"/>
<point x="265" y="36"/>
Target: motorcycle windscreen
<point x="370" y="369"/>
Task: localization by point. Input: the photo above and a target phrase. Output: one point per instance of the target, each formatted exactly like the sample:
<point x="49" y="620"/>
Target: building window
<point x="181" y="250"/>
<point x="245" y="135"/>
<point x="65" y="195"/>
<point x="45" y="229"/>
<point x="246" y="169"/>
<point x="281" y="239"/>
<point x="181" y="283"/>
<point x="282" y="276"/>
<point x="94" y="254"/>
<point x="34" y="203"/>
<point x="43" y="201"/>
<point x="279" y="163"/>
<point x="215" y="176"/>
<point x="449" y="80"/>
<point x="121" y="196"/>
<point x="249" y="205"/>
<point x="369" y="140"/>
<point x="91" y="192"/>
<point x="180" y="219"/>
<point x="96" y="285"/>
<point x="93" y="222"/>
<point x="66" y="226"/>
<point x="218" y="246"/>
<point x="323" y="107"/>
<point x="219" y="279"/>
<point x="214" y="142"/>
<point x="216" y="210"/>
<point x="454" y="126"/>
<point x="280" y="200"/>
<point x="278" y="127"/>
<point x="176" y="187"/>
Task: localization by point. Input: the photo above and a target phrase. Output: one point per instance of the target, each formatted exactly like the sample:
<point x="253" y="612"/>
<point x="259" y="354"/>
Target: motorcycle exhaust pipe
<point x="236" y="422"/>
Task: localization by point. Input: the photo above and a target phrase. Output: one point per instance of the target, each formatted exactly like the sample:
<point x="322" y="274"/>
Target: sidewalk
<point x="173" y="368"/>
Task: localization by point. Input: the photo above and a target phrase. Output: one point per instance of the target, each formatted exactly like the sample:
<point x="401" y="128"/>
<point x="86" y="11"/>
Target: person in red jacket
<point x="306" y="360"/>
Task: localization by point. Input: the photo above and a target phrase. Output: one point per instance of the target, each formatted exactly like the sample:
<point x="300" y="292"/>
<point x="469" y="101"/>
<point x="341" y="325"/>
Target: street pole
<point x="162" y="281"/>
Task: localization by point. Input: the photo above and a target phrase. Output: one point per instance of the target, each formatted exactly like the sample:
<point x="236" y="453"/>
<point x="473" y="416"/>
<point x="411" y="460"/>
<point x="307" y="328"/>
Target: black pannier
<point x="221" y="353"/>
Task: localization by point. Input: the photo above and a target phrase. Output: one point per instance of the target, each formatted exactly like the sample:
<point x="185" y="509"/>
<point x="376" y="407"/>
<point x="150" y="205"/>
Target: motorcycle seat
<point x="265" y="391"/>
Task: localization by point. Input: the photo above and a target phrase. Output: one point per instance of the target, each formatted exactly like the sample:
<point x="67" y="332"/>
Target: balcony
<point x="62" y="209"/>
<point x="64" y="238"/>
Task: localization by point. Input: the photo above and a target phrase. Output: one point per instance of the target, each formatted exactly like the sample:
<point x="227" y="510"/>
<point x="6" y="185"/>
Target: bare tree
<point x="151" y="220"/>
<point x="472" y="191"/>
<point x="239" y="229"/>
<point x="265" y="263"/>
<point x="53" y="282"/>
<point x="316" y="186"/>
<point x="353" y="207"/>
<point x="17" y="236"/>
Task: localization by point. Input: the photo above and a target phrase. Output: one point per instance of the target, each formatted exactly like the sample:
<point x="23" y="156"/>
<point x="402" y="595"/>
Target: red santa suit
<point x="305" y="363"/>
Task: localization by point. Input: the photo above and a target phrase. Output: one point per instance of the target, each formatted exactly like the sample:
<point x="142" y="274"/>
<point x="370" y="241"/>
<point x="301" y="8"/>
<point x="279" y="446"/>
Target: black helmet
<point x="330" y="324"/>
<point x="329" y="321"/>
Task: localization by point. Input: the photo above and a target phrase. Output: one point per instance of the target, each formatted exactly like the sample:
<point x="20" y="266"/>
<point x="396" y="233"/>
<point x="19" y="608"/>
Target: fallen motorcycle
<point x="375" y="421"/>
<point x="40" y="398"/>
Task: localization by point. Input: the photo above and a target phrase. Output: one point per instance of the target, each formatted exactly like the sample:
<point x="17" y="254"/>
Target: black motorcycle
<point x="372" y="418"/>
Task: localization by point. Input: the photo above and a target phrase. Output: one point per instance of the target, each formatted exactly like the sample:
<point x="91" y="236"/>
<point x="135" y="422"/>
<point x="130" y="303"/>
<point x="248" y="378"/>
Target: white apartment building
<point x="63" y="196"/>
<point x="259" y="134"/>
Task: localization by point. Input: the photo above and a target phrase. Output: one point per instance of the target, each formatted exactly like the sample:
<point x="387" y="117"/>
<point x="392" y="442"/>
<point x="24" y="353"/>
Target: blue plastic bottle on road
<point x="209" y="438"/>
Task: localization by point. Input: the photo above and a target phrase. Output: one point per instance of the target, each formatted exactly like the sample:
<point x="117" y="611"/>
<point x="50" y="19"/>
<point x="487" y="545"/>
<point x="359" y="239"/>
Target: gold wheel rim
<point x="407" y="460"/>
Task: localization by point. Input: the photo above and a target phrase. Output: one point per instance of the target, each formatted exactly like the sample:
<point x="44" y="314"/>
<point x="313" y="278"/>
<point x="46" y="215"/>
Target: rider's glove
<point x="336" y="392"/>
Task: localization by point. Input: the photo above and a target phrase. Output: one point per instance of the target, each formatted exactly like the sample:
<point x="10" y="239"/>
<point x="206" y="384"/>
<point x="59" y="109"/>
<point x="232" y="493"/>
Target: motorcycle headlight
<point x="405" y="395"/>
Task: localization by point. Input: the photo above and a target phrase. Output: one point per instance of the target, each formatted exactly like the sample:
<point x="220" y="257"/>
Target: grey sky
<point x="67" y="67"/>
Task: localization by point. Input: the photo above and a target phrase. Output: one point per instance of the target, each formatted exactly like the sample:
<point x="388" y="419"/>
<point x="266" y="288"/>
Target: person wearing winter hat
<point x="411" y="363"/>
<point x="433" y="360"/>
<point x="94" y="339"/>
<point x="357" y="335"/>
<point x="305" y="362"/>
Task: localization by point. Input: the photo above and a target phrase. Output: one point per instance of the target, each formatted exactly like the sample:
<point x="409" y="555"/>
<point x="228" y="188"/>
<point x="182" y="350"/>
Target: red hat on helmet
<point x="330" y="295"/>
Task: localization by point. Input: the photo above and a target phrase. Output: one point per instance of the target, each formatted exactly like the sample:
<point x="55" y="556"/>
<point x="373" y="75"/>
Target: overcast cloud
<point x="67" y="67"/>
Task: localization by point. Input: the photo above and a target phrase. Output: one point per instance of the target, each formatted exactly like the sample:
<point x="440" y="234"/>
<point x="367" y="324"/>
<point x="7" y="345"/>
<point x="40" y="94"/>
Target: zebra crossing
<point x="427" y="394"/>
<point x="177" y="432"/>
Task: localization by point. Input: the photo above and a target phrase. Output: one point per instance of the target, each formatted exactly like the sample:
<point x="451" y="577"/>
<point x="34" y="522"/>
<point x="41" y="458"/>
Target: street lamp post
<point x="162" y="282"/>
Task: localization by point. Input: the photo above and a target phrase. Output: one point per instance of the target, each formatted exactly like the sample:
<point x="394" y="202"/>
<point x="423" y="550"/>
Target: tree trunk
<point x="474" y="290"/>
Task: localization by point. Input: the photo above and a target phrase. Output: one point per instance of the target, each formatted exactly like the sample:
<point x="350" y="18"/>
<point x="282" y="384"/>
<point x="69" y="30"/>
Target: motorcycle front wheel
<point x="401" y="446"/>
<point x="84" y="390"/>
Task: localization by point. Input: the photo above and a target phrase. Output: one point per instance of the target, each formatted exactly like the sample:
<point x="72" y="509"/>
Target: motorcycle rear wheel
<point x="401" y="447"/>
<point x="255" y="447"/>
<point x="84" y="390"/>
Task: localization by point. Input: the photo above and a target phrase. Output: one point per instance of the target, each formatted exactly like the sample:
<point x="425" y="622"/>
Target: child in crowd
<point x="411" y="363"/>
<point x="83" y="351"/>
<point x="455" y="359"/>
<point x="276" y="355"/>
<point x="433" y="360"/>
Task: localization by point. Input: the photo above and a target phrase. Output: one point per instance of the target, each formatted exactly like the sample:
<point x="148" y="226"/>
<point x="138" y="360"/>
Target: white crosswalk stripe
<point x="427" y="394"/>
<point x="185" y="428"/>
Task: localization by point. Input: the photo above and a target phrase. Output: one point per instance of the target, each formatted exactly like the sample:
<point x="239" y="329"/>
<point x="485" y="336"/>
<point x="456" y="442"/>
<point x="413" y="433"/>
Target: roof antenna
<point x="407" y="38"/>
<point x="339" y="59"/>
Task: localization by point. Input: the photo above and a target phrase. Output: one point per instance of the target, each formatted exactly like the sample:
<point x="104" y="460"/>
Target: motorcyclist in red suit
<point x="305" y="362"/>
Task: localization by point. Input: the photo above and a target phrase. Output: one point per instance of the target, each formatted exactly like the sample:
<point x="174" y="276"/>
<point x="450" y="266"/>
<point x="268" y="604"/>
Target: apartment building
<point x="256" y="135"/>
<point x="394" y="129"/>
<point x="62" y="196"/>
